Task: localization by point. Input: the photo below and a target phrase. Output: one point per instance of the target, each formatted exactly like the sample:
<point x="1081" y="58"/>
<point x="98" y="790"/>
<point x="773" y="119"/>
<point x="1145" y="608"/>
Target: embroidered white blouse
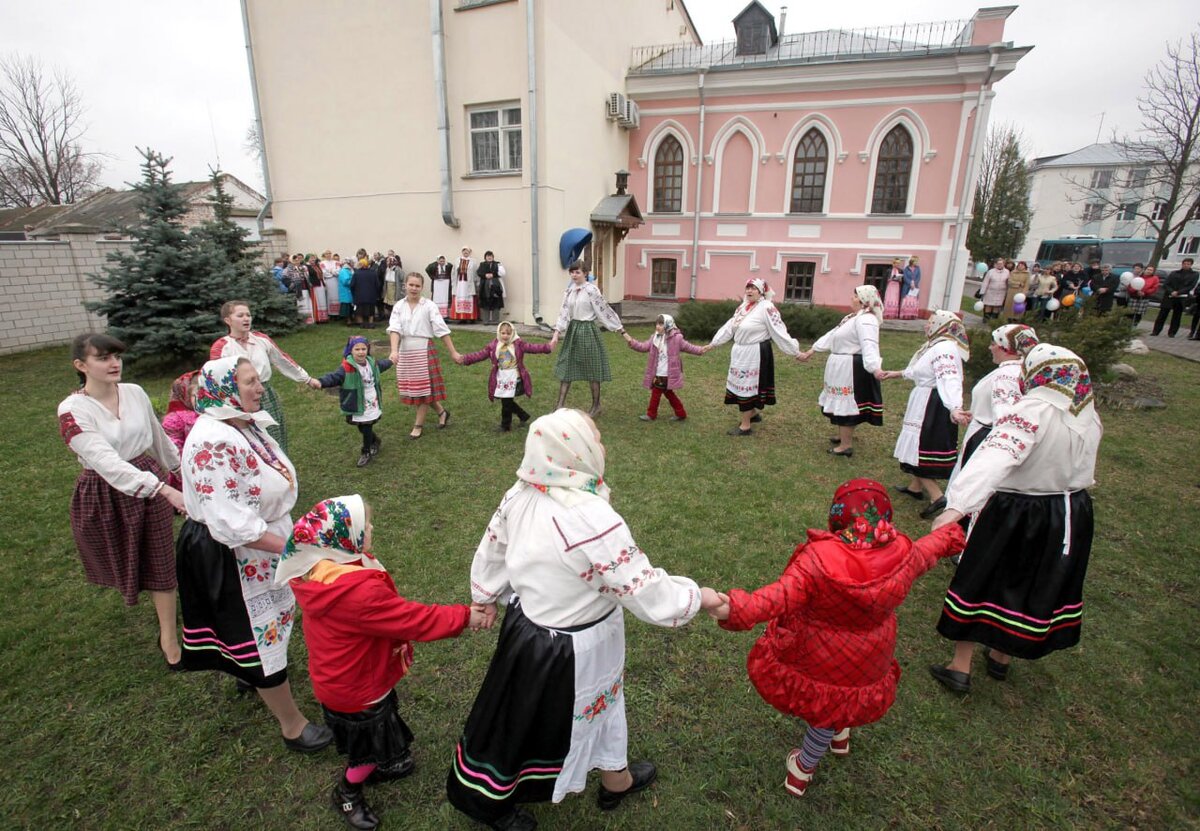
<point x="939" y="366"/>
<point x="263" y="353"/>
<point x="572" y="566"/>
<point x="107" y="443"/>
<point x="759" y="324"/>
<point x="425" y="321"/>
<point x="1030" y="450"/>
<point x="853" y="336"/>
<point x="995" y="394"/>
<point x="585" y="302"/>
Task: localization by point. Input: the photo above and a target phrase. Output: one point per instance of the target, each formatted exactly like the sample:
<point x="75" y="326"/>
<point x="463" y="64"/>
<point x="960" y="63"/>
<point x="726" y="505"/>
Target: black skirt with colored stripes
<point x="937" y="450"/>
<point x="868" y="395"/>
<point x="1019" y="587"/>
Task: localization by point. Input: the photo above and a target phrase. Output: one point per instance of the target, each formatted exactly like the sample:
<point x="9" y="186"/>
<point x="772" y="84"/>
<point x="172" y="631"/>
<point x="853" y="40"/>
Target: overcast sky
<point x="172" y="75"/>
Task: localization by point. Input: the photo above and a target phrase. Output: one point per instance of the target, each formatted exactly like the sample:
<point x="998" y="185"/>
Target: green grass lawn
<point x="98" y="735"/>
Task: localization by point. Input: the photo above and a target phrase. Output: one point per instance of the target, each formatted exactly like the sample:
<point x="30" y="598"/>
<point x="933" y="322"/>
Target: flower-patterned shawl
<point x="861" y="514"/>
<point x="563" y="459"/>
<point x="333" y="530"/>
<point x="217" y="396"/>
<point x="869" y="297"/>
<point x="180" y="400"/>
<point x="1015" y="337"/>
<point x="1060" y="377"/>
<point x="944" y="325"/>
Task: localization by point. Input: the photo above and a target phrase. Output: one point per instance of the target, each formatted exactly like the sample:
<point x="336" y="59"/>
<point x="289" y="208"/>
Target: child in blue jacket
<point x="361" y="392"/>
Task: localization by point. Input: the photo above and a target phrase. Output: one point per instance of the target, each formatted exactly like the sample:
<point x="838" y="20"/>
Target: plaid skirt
<point x="125" y="543"/>
<point x="274" y="408"/>
<point x="581" y="355"/>
<point x="420" y="381"/>
<point x="1138" y="305"/>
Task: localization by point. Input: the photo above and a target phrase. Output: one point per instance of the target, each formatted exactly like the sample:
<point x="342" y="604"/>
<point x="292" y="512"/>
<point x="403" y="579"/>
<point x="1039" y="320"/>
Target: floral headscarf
<point x="333" y="530"/>
<point x="944" y="325"/>
<point x="660" y="341"/>
<point x="563" y="459"/>
<point x="1015" y="337"/>
<point x="869" y="297"/>
<point x="217" y="396"/>
<point x="181" y="399"/>
<point x="1060" y="377"/>
<point x="512" y="343"/>
<point x="861" y="514"/>
<point x="353" y="341"/>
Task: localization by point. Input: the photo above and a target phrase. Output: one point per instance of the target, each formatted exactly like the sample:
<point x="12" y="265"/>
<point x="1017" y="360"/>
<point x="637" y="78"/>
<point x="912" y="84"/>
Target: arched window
<point x="892" y="172"/>
<point x="808" y="173"/>
<point x="668" y="176"/>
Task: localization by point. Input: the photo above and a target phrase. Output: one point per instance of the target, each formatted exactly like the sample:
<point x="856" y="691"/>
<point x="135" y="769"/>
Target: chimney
<point x="782" y="19"/>
<point x="622" y="182"/>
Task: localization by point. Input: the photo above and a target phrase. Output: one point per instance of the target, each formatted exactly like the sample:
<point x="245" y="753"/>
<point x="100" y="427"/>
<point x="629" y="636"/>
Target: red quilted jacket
<point x="828" y="653"/>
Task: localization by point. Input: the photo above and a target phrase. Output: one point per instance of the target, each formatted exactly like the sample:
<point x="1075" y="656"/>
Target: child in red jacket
<point x="828" y="655"/>
<point x="358" y="630"/>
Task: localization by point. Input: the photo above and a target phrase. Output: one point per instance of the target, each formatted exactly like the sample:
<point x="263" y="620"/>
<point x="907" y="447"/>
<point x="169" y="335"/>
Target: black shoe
<point x="995" y="669"/>
<point x="364" y="459"/>
<point x="951" y="679"/>
<point x="443" y="419"/>
<point x="848" y="452"/>
<point x="934" y="508"/>
<point x="756" y="418"/>
<point x="375" y="445"/>
<point x="835" y="439"/>
<point x="518" y="820"/>
<point x="402" y="767"/>
<point x="312" y="738"/>
<point x="352" y="806"/>
<point x="643" y="773"/>
<point x="738" y="431"/>
<point x="917" y="495"/>
<point x="524" y="420"/>
<point x="503" y="429"/>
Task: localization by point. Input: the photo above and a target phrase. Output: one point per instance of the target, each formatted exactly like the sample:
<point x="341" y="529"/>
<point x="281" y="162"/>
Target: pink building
<point x="811" y="160"/>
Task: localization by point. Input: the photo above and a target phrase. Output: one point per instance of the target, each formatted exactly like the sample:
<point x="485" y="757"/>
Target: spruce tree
<point x="274" y="312"/>
<point x="1000" y="221"/>
<point x="162" y="297"/>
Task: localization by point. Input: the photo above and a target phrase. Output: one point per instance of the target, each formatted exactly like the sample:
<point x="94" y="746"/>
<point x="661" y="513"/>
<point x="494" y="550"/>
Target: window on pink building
<point x="808" y="174"/>
<point x="799" y="286"/>
<point x="668" y="176"/>
<point x="876" y="275"/>
<point x="892" y="173"/>
<point x="662" y="277"/>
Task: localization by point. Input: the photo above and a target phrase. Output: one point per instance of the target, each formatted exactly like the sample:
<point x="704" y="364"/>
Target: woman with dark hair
<point x="364" y="286"/>
<point x="583" y="356"/>
<point x="492" y="292"/>
<point x="242" y="342"/>
<point x="239" y="486"/>
<point x="750" y="384"/>
<point x="122" y="507"/>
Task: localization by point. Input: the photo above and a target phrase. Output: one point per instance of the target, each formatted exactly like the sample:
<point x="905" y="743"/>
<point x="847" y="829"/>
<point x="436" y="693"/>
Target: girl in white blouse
<point x="414" y="323"/>
<point x="750" y="383"/>
<point x="121" y="511"/>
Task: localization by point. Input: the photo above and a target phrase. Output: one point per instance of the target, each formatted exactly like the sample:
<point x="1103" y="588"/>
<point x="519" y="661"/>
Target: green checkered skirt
<point x="581" y="355"/>
<point x="274" y="408"/>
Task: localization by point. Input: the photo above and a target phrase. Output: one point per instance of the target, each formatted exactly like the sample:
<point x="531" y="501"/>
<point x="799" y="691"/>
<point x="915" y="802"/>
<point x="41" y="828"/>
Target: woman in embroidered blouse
<point x="239" y="487"/>
<point x="1019" y="588"/>
<point x="851" y="394"/>
<point x="928" y="444"/>
<point x="750" y="383"/>
<point x="566" y="565"/>
<point x="121" y="510"/>
<point x="414" y="323"/>
<point x="242" y="342"/>
<point x="583" y="356"/>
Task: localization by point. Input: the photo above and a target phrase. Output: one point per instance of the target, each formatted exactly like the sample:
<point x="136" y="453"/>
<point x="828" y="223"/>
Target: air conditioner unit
<point x="616" y="106"/>
<point x="632" y="117"/>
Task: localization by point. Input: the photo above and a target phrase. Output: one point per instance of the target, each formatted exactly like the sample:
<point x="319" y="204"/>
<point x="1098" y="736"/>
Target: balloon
<point x="981" y="268"/>
<point x="1087" y="291"/>
<point x="1018" y="298"/>
<point x="1068" y="300"/>
<point x="1052" y="305"/>
<point x="1127" y="278"/>
<point x="979" y="305"/>
<point x="1137" y="283"/>
<point x="1018" y="308"/>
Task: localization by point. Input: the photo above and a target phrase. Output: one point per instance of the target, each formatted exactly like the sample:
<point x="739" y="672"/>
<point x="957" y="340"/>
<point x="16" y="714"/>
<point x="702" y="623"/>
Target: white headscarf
<point x="217" y="395"/>
<point x="1015" y="337"/>
<point x="660" y="340"/>
<point x="563" y="459"/>
<point x="745" y="307"/>
<point x="944" y="325"/>
<point x="1060" y="377"/>
<point x="869" y="297"/>
<point x="512" y="343"/>
<point x="334" y="529"/>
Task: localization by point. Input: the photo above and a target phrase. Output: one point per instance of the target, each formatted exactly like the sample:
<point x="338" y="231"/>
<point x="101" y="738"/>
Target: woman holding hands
<point x="414" y="323"/>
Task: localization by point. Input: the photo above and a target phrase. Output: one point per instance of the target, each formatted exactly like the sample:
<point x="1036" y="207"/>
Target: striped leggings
<point x="816" y="743"/>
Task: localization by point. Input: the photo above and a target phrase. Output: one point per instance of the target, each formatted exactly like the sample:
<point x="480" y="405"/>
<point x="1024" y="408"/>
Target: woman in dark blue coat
<point x="364" y="286"/>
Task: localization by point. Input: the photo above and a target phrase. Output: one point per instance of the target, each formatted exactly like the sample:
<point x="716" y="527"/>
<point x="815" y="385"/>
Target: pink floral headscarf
<point x="334" y="529"/>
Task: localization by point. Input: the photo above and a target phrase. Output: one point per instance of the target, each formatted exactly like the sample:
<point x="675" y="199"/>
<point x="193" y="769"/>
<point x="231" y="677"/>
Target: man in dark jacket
<point x="1178" y="287"/>
<point x="1104" y="289"/>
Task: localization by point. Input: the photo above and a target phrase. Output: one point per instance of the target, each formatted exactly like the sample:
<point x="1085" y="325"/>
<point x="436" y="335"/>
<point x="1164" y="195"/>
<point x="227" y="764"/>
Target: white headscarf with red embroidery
<point x="944" y="325"/>
<point x="869" y="297"/>
<point x="335" y="529"/>
<point x="563" y="459"/>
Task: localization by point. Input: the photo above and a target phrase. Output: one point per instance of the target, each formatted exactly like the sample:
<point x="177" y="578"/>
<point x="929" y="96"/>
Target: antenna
<point x="213" y="130"/>
<point x="1100" y="127"/>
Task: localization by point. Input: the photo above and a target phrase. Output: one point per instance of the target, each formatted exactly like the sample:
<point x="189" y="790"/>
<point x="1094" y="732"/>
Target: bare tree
<point x="42" y="160"/>
<point x="1164" y="160"/>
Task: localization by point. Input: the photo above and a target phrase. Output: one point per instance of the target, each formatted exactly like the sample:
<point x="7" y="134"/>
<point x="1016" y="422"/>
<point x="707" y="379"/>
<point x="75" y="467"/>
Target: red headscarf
<point x="180" y="400"/>
<point x="861" y="514"/>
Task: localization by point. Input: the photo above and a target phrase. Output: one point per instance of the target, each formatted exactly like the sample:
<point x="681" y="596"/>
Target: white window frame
<point x="1102" y="179"/>
<point x="1159" y="212"/>
<point x="1092" y="212"/>
<point x="1189" y="245"/>
<point x="1128" y="211"/>
<point x="502" y="129"/>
